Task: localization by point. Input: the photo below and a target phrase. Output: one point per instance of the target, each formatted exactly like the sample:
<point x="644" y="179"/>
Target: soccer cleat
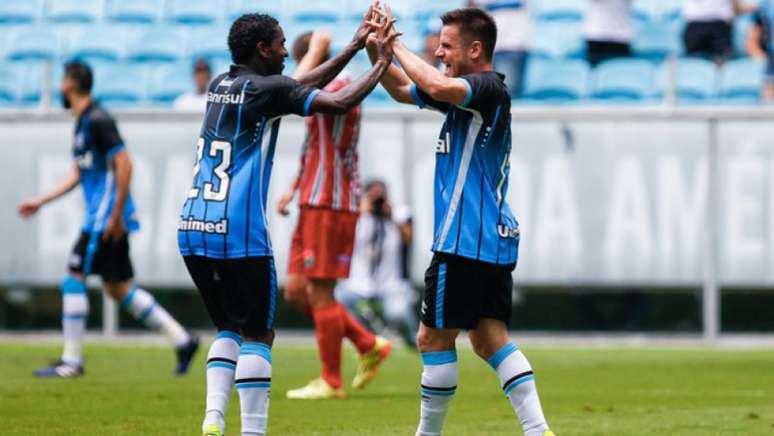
<point x="61" y="370"/>
<point x="185" y="354"/>
<point x="212" y="430"/>
<point x="317" y="389"/>
<point x="368" y="363"/>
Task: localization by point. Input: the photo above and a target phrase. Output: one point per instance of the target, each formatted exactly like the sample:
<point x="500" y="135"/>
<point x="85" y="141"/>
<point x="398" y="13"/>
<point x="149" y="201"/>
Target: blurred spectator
<point x="378" y="290"/>
<point x="513" y="29"/>
<point x="196" y="101"/>
<point x="759" y="43"/>
<point x="708" y="29"/>
<point x="431" y="45"/>
<point x="607" y="28"/>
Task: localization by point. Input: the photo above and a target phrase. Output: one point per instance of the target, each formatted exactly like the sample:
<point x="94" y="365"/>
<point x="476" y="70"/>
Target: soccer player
<point x="476" y="240"/>
<point x="223" y="234"/>
<point x="103" y="168"/>
<point x="321" y="250"/>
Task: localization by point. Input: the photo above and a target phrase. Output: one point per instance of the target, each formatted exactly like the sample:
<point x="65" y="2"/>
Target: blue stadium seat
<point x="20" y="11"/>
<point x="741" y="80"/>
<point x="695" y="80"/>
<point x="656" y="10"/>
<point x="741" y="28"/>
<point x="557" y="39"/>
<point x="96" y="44"/>
<point x="314" y="11"/>
<point x="557" y="80"/>
<point x="435" y="8"/>
<point x="9" y="88"/>
<point x="169" y="82"/>
<point x="157" y="45"/>
<point x="195" y="12"/>
<point x="74" y="11"/>
<point x="31" y="82"/>
<point x="401" y="9"/>
<point x="623" y="80"/>
<point x="134" y="11"/>
<point x="32" y="43"/>
<point x="120" y="84"/>
<point x="211" y="45"/>
<point x="656" y="40"/>
<point x="237" y="8"/>
<point x="564" y="10"/>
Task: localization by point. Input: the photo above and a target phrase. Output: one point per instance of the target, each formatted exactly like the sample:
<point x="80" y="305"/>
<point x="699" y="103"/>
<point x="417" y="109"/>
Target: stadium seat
<point x="120" y="84"/>
<point x="741" y="80"/>
<point x="656" y="40"/>
<point x="623" y="80"/>
<point x="314" y="11"/>
<point x="31" y="82"/>
<point x="32" y="43"/>
<point x="94" y="43"/>
<point x="426" y="10"/>
<point x="656" y="10"/>
<point x="741" y="28"/>
<point x="695" y="80"/>
<point x="157" y="45"/>
<point x="237" y="8"/>
<point x="557" y="39"/>
<point x="211" y="45"/>
<point x="20" y="11"/>
<point x="195" y="12"/>
<point x="564" y="10"/>
<point x="134" y="11"/>
<point x="9" y="88"/>
<point x="74" y="11"/>
<point x="168" y="83"/>
<point x="556" y="80"/>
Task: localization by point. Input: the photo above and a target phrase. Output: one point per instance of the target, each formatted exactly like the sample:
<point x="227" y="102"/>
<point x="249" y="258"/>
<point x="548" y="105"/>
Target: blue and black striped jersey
<point x="472" y="218"/>
<point x="225" y="213"/>
<point x="96" y="142"/>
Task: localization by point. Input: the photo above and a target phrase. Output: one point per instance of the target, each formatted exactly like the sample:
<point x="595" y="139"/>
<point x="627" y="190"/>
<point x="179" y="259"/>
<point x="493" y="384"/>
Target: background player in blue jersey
<point x="223" y="234"/>
<point x="468" y="284"/>
<point x="103" y="168"/>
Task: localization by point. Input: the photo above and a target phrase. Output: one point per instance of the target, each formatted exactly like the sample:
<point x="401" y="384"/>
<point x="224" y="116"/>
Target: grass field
<point x="129" y="391"/>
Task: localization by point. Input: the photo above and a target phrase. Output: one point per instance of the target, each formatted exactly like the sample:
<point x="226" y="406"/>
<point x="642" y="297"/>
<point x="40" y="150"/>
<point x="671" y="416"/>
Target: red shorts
<point x="322" y="243"/>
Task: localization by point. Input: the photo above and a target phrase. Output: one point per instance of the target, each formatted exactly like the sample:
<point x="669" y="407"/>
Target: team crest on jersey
<point x="508" y="232"/>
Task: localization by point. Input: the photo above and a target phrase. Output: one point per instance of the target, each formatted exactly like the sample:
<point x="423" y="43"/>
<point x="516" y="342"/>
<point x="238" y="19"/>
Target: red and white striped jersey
<point x="329" y="159"/>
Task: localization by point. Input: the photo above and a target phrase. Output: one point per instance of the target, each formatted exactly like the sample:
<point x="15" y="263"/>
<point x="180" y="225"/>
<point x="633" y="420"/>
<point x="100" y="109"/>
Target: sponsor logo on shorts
<point x="508" y="232"/>
<point x="192" y="225"/>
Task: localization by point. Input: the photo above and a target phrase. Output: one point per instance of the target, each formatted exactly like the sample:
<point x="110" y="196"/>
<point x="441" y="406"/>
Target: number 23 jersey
<point x="224" y="215"/>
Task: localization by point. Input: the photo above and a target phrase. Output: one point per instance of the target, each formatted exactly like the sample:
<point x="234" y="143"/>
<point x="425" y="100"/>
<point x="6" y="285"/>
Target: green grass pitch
<point x="606" y="391"/>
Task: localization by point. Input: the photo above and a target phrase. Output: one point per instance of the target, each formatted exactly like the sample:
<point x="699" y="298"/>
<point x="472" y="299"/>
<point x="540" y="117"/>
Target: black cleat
<point x="60" y="369"/>
<point x="185" y="354"/>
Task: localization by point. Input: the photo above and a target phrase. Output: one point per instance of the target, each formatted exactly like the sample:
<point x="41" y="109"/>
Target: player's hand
<point x="284" y="202"/>
<point x="386" y="35"/>
<point x="114" y="229"/>
<point x="368" y="25"/>
<point x="320" y="41"/>
<point x="30" y="207"/>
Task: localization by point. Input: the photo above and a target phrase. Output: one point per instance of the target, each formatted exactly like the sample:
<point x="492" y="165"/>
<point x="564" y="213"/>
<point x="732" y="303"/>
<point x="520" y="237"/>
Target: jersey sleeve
<point x="106" y="137"/>
<point x="423" y="100"/>
<point x="283" y="96"/>
<point x="485" y="92"/>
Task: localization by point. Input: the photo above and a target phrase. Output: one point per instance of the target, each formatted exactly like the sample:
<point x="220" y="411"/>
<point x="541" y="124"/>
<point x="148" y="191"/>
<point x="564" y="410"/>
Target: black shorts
<point x="108" y="259"/>
<point x="460" y="291"/>
<point x="238" y="293"/>
<point x="712" y="39"/>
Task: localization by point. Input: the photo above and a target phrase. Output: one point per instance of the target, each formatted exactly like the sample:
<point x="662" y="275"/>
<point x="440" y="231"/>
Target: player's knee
<point x="257" y="335"/>
<point x="482" y="348"/>
<point x="431" y="340"/>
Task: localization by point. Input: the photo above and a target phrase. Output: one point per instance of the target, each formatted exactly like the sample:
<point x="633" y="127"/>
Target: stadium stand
<point x="143" y="34"/>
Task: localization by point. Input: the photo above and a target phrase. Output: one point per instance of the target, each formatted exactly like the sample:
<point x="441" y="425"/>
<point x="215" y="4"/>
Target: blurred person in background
<point x="321" y="249"/>
<point x="431" y="45"/>
<point x="513" y="33"/>
<point x="607" y="28"/>
<point x="759" y="43"/>
<point x="378" y="289"/>
<point x="709" y="27"/>
<point x="196" y="100"/>
<point x="103" y="168"/>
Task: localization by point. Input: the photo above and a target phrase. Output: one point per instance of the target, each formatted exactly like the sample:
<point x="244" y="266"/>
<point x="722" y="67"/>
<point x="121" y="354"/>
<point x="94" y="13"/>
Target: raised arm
<point x="395" y="81"/>
<point x="323" y="74"/>
<point x="346" y="98"/>
<point x="29" y="207"/>
<point x="429" y="79"/>
<point x="319" y="45"/>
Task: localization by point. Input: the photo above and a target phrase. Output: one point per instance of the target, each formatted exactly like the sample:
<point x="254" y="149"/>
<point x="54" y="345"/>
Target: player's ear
<point x="475" y="50"/>
<point x="264" y="50"/>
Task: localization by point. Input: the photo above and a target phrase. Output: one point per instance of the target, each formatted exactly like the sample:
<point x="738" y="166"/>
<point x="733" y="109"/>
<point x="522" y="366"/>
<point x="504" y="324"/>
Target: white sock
<point x="144" y="308"/>
<point x="221" y="365"/>
<point x="439" y="382"/>
<point x="518" y="383"/>
<point x="253" y="382"/>
<point x="75" y="311"/>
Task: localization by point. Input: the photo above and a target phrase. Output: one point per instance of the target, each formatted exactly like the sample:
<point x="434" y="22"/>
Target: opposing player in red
<point x="323" y="241"/>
